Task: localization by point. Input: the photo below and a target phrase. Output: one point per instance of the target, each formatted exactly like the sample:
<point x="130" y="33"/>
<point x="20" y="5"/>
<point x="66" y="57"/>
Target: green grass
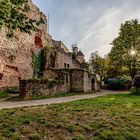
<point x="3" y="95"/>
<point x="15" y="98"/>
<point x="112" y="117"/>
<point x="8" y="93"/>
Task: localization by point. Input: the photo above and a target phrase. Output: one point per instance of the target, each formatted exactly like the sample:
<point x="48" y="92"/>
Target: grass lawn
<point x="3" y="95"/>
<point x="112" y="117"/>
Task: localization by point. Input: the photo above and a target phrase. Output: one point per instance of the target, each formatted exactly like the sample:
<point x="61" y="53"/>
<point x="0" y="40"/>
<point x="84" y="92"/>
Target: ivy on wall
<point x="41" y="62"/>
<point x="38" y="63"/>
<point x="34" y="65"/>
<point x="13" y="16"/>
<point x="53" y="58"/>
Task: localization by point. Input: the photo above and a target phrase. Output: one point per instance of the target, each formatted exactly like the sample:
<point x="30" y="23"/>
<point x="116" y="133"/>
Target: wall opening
<point x="93" y="84"/>
<point x="1" y="75"/>
<point x="65" y="65"/>
<point x="67" y="78"/>
<point x="38" y="41"/>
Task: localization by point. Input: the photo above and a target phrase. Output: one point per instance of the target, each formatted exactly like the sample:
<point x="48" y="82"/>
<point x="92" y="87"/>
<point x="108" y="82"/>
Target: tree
<point x="14" y="15"/>
<point x="98" y="65"/>
<point x="115" y="71"/>
<point x="128" y="39"/>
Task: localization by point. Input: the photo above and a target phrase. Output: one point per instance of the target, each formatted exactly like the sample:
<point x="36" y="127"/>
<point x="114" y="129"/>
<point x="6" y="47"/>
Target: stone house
<point x="65" y="74"/>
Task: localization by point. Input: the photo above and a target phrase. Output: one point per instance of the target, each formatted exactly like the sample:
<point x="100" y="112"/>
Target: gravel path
<point x="14" y="104"/>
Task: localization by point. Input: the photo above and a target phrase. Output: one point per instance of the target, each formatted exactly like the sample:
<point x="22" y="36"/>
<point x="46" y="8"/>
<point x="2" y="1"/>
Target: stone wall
<point x="81" y="80"/>
<point x="32" y="88"/>
<point x="77" y="80"/>
<point x="65" y="80"/>
<point x="46" y="87"/>
<point x="63" y="60"/>
<point x="87" y="81"/>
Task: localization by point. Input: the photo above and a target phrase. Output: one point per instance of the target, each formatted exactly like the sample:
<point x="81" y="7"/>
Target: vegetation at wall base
<point x="3" y="95"/>
<point x="13" y="90"/>
<point x="58" y="95"/>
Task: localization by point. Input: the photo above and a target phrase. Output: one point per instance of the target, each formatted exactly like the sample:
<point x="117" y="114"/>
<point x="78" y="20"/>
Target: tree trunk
<point x="133" y="71"/>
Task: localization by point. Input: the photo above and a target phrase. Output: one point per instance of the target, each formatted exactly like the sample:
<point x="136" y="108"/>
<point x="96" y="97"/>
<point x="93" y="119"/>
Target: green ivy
<point x="34" y="65"/>
<point x="38" y="63"/>
<point x="13" y="16"/>
<point x="41" y="62"/>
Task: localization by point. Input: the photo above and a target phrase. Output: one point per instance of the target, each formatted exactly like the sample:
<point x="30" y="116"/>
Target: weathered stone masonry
<point x="31" y="88"/>
<point x="66" y="80"/>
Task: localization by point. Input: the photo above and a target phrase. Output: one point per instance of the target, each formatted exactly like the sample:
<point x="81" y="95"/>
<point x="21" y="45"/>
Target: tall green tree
<point x="14" y="15"/>
<point x="128" y="40"/>
<point x="98" y="65"/>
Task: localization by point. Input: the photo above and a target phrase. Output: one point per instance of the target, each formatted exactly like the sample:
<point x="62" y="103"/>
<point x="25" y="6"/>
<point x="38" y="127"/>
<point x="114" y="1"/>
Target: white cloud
<point x="94" y="23"/>
<point x="102" y="33"/>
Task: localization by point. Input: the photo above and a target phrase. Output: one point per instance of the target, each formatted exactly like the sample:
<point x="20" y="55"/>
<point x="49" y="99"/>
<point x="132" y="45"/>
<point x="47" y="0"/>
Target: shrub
<point x="133" y="90"/>
<point x="118" y="84"/>
<point x="115" y="84"/>
<point x="136" y="81"/>
<point x="136" y="85"/>
<point x="13" y="90"/>
<point x="125" y="77"/>
<point x="127" y="84"/>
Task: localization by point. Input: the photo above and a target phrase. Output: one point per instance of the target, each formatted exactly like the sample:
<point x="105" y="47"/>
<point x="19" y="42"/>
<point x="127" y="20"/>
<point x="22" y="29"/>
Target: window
<point x="65" y="65"/>
<point x="68" y="65"/>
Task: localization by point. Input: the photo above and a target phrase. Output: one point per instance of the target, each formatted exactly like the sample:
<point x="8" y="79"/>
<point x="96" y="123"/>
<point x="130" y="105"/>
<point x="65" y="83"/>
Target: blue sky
<point x="92" y="23"/>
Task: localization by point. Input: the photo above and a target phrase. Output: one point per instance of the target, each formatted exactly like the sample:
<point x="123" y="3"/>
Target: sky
<point x="92" y="24"/>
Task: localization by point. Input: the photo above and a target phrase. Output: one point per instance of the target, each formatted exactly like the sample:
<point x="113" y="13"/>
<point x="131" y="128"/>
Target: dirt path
<point x="14" y="104"/>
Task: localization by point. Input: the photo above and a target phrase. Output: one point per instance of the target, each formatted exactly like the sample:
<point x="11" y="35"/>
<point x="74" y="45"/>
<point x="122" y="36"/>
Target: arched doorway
<point x="93" y="84"/>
